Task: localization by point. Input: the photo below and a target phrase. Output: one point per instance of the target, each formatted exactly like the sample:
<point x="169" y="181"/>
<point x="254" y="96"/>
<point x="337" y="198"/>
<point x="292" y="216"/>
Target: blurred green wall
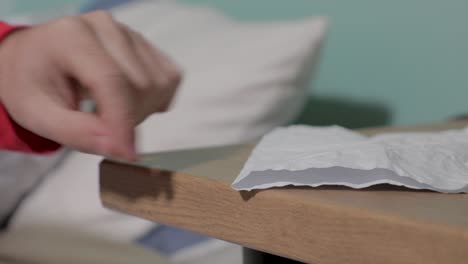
<point x="384" y="62"/>
<point x="40" y="5"/>
<point x="398" y="62"/>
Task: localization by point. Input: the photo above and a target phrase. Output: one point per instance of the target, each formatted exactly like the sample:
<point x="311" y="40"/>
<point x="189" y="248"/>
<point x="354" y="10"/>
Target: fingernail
<point x="117" y="146"/>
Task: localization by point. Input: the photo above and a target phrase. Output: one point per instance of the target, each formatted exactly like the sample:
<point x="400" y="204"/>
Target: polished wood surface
<point x="382" y="224"/>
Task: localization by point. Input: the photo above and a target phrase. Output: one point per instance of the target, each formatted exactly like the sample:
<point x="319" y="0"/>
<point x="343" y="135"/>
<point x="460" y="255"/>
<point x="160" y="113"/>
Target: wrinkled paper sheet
<point x="313" y="156"/>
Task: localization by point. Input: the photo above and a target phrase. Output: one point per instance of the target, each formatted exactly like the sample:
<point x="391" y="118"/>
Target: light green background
<point x="38" y="5"/>
<point x="395" y="62"/>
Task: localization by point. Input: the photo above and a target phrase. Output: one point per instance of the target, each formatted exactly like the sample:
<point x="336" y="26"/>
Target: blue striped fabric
<point x="169" y="240"/>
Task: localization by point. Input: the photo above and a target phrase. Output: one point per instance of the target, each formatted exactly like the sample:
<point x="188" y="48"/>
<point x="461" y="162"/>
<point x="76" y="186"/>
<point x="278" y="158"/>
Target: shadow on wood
<point x="157" y="182"/>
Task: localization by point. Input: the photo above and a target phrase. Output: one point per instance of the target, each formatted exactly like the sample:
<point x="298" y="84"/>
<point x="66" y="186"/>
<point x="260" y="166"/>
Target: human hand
<point x="46" y="70"/>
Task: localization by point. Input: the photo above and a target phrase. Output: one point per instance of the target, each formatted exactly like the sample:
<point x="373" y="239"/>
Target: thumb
<point x="83" y="131"/>
<point x="78" y="130"/>
<point x="86" y="61"/>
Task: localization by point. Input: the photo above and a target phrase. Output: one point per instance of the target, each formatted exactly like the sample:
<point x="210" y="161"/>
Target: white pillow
<point x="241" y="80"/>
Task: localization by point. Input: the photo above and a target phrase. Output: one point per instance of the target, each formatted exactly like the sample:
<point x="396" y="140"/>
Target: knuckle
<point x="102" y="15"/>
<point x="174" y="77"/>
<point x="162" y="83"/>
<point x="113" y="75"/>
<point x="109" y="77"/>
<point x="170" y="79"/>
<point x="73" y="23"/>
<point x="145" y="83"/>
<point x="104" y="18"/>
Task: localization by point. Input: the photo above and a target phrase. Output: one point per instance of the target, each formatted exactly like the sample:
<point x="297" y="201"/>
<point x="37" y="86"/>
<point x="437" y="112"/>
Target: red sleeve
<point x="13" y="136"/>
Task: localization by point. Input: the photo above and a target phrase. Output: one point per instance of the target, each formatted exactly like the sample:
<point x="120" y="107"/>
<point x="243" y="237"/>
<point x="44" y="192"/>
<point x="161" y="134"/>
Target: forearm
<point x="12" y="136"/>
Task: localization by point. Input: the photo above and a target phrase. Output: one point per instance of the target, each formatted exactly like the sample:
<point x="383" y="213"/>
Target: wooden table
<point x="382" y="224"/>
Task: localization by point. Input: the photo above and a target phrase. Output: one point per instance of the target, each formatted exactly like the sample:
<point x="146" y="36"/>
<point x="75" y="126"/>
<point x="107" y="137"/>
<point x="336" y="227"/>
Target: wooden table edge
<point x="159" y="209"/>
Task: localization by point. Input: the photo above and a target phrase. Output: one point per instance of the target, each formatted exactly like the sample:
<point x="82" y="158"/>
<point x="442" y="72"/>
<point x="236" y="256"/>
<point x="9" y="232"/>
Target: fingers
<point x="147" y="68"/>
<point x="107" y="82"/>
<point x="126" y="76"/>
<point x="78" y="130"/>
<point x="165" y="75"/>
<point x="118" y="45"/>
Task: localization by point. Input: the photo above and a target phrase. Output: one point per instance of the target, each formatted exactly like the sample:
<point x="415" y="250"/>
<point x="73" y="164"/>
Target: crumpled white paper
<point x="314" y="156"/>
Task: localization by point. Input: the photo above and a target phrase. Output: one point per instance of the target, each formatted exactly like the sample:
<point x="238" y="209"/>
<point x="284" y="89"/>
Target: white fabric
<point x="69" y="197"/>
<point x="19" y="173"/>
<point x="241" y="80"/>
<point x="52" y="244"/>
<point x="55" y="245"/>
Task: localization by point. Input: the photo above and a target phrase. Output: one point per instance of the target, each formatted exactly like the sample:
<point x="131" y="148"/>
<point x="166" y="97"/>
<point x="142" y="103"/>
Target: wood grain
<point x="382" y="224"/>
